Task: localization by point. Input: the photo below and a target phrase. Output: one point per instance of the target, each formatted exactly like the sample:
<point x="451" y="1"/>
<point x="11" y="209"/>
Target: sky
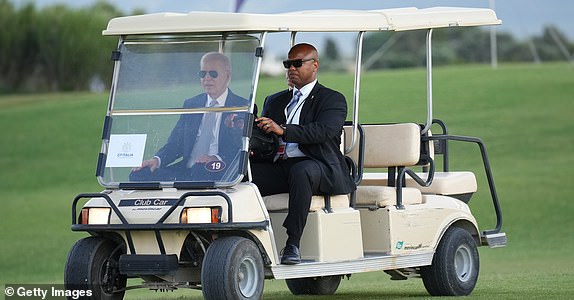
<point x="521" y="17"/>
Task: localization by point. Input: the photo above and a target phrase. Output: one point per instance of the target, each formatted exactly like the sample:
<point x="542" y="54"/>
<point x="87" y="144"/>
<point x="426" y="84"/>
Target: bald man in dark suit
<point x="308" y="119"/>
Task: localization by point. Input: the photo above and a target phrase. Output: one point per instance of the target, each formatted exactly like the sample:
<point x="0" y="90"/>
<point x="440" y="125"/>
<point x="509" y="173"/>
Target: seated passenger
<point x="192" y="151"/>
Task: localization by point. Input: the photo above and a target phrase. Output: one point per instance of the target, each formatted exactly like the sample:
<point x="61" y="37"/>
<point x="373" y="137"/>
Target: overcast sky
<point x="521" y="17"/>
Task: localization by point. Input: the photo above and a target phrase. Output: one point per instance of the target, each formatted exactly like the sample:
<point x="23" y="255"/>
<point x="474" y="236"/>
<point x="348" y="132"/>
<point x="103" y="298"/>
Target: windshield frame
<point x="221" y="43"/>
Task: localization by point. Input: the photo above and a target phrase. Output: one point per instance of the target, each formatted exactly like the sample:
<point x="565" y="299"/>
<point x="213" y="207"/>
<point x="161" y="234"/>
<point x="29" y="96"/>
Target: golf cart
<point x="216" y="232"/>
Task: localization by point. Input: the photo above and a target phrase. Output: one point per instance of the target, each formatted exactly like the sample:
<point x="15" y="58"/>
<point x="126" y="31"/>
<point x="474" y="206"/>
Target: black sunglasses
<point x="212" y="74"/>
<point x="297" y="63"/>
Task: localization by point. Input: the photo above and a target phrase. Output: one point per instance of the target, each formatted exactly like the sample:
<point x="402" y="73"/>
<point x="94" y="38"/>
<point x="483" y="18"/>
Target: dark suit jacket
<point x="182" y="138"/>
<point x="319" y="133"/>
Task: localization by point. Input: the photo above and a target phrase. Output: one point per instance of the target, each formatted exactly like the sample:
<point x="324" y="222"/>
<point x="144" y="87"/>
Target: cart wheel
<point x="326" y="285"/>
<point x="92" y="264"/>
<point x="454" y="269"/>
<point x="232" y="269"/>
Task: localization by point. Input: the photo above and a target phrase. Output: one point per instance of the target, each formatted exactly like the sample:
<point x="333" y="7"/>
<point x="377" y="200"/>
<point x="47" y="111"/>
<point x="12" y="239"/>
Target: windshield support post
<point x="115" y="77"/>
<point x="255" y="79"/>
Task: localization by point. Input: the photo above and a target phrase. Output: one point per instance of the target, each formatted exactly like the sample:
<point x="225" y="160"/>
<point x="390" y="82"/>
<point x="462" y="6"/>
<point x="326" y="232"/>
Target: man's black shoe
<point x="290" y="255"/>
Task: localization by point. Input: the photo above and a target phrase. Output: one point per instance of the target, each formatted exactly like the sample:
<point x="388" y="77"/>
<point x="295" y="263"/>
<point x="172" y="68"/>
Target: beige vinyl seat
<point x="444" y="183"/>
<point x="280" y="202"/>
<point x="399" y="145"/>
<point x="387" y="146"/>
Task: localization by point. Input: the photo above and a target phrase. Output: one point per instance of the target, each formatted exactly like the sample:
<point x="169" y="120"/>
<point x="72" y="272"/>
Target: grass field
<point x="524" y="113"/>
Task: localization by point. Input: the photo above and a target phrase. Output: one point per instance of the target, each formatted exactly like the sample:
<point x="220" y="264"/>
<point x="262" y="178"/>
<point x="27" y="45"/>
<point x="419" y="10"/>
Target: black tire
<point x="455" y="265"/>
<point x="92" y="264"/>
<point x="326" y="285"/>
<point x="232" y="269"/>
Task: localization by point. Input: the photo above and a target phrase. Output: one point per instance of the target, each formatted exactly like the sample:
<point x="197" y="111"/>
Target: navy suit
<point x="182" y="139"/>
<point x="323" y="170"/>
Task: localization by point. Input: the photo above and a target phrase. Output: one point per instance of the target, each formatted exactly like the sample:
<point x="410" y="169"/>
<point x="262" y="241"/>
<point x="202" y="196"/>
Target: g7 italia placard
<point x="126" y="150"/>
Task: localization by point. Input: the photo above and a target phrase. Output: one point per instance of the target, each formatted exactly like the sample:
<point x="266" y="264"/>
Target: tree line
<point x="463" y="45"/>
<point x="55" y="48"/>
<point x="58" y="48"/>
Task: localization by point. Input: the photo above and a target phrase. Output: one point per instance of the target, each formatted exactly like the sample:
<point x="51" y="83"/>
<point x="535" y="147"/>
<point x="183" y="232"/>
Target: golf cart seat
<point x="459" y="184"/>
<point x="386" y="146"/>
<point x="444" y="183"/>
<point x="332" y="223"/>
<point x="280" y="202"/>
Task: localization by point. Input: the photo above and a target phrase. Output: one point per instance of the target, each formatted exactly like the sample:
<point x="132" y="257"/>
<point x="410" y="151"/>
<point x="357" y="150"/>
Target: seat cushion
<point x="281" y="202"/>
<point x="444" y="183"/>
<point x="388" y="145"/>
<point x="375" y="178"/>
<point x="447" y="183"/>
<point x="382" y="196"/>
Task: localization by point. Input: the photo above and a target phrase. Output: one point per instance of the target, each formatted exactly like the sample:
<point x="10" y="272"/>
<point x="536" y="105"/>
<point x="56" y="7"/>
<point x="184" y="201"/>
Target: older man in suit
<point x="309" y="120"/>
<point x="196" y="138"/>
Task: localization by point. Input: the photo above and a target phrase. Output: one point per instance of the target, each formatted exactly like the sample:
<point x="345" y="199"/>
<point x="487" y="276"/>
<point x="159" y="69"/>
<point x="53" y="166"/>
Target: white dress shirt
<point x="292" y="149"/>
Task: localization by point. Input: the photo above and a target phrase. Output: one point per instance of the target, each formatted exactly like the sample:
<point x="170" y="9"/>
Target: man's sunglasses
<point x="212" y="74"/>
<point x="297" y="63"/>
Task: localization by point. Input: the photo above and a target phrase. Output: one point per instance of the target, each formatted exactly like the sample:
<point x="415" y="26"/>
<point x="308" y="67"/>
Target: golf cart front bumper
<point x="127" y="228"/>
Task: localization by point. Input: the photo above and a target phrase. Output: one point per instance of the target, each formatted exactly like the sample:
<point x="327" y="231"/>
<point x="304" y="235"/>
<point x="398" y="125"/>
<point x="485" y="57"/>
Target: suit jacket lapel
<point x="309" y="103"/>
<point x="278" y="113"/>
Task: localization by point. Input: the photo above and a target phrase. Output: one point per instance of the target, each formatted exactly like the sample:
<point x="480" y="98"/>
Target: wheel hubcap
<point x="463" y="263"/>
<point x="248" y="277"/>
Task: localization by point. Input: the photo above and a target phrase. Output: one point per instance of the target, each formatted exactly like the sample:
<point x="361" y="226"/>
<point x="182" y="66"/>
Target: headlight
<point x="95" y="215"/>
<point x="191" y="215"/>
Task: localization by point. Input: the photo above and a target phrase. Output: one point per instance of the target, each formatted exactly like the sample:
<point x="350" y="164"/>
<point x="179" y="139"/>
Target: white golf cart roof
<point x="398" y="19"/>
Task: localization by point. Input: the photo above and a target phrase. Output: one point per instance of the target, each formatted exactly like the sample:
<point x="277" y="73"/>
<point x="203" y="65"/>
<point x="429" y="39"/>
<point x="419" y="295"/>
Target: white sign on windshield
<point x="126" y="150"/>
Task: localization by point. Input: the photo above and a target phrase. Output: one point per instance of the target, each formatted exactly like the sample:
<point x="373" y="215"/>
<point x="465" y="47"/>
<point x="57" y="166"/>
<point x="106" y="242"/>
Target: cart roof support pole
<point x="429" y="82"/>
<point x="357" y="88"/>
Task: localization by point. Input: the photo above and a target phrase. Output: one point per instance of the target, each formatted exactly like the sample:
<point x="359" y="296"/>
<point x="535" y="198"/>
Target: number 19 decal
<point x="215" y="166"/>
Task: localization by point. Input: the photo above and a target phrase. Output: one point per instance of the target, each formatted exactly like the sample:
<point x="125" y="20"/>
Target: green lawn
<point x="524" y="114"/>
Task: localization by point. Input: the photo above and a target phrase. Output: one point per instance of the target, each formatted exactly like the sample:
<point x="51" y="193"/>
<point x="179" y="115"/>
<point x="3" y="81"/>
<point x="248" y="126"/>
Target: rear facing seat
<point x="444" y="183"/>
<point x="385" y="143"/>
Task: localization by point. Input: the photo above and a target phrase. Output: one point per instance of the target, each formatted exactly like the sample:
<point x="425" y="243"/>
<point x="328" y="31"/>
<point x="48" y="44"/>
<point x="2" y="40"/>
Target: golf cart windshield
<point x="164" y="127"/>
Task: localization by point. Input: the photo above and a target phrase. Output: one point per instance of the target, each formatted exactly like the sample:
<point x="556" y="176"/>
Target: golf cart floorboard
<point x="370" y="262"/>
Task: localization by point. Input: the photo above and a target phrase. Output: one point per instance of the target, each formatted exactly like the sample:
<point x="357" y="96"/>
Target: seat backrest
<point x="388" y="145"/>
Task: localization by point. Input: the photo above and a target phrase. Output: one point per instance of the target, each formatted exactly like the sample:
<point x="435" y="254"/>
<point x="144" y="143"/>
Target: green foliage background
<point x="50" y="142"/>
<point x="58" y="48"/>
